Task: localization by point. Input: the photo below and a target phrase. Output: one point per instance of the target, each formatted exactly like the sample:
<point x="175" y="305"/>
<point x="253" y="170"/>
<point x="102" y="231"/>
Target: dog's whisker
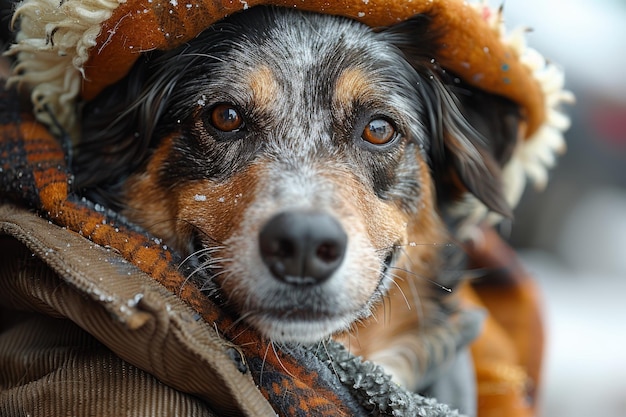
<point x="389" y="277"/>
<point x="383" y="297"/>
<point x="218" y="273"/>
<point x="212" y="266"/>
<point x="392" y="277"/>
<point x="414" y="244"/>
<point x="267" y="349"/>
<point x="417" y="299"/>
<point x="415" y="274"/>
<point x="241" y="321"/>
<point x="182" y="285"/>
<point x="331" y="361"/>
<point x="198" y="230"/>
<point x="214" y="263"/>
<point x="277" y="356"/>
<point x="198" y="254"/>
<point x="420" y="276"/>
<point x="209" y="286"/>
<point x="199" y="55"/>
<point x="242" y="318"/>
<point x="211" y="263"/>
<point x="393" y="281"/>
<point x="196" y="271"/>
<point x="208" y="250"/>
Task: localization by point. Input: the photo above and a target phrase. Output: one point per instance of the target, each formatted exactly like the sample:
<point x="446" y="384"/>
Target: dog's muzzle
<point x="302" y="248"/>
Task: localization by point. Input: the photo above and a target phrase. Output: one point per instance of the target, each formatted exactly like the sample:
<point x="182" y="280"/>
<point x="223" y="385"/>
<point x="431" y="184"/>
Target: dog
<point x="309" y="168"/>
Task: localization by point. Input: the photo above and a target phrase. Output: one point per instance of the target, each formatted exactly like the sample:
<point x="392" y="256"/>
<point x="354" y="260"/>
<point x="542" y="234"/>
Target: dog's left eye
<point x="379" y="132"/>
<point x="226" y="117"/>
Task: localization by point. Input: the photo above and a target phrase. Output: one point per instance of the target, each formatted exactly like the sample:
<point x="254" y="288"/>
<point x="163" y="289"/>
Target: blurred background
<point x="572" y="236"/>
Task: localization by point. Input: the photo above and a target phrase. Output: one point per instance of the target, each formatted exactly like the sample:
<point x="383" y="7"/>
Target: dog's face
<point x="290" y="156"/>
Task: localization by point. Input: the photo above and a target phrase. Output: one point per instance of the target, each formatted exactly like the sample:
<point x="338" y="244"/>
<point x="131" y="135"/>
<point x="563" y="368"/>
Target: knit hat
<point x="67" y="52"/>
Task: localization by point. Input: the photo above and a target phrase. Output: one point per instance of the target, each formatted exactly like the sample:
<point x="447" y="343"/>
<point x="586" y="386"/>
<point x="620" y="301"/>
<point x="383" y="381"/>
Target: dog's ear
<point x="473" y="132"/>
<point x="471" y="144"/>
<point x="110" y="144"/>
<point x="118" y="128"/>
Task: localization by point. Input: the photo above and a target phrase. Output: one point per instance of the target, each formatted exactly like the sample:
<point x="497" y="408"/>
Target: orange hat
<point x="69" y="51"/>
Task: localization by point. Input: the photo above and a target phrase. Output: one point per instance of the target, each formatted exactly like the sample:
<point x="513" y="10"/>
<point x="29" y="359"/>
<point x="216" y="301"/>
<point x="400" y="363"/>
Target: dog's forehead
<point x="327" y="91"/>
<point x="321" y="56"/>
<point x="269" y="88"/>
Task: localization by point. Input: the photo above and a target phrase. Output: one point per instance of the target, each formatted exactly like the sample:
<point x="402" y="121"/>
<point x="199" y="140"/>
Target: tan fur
<point x="146" y="204"/>
<point x="352" y="82"/>
<point x="263" y="86"/>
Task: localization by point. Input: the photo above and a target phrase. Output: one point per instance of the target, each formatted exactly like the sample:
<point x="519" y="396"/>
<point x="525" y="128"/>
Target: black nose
<point x="302" y="247"/>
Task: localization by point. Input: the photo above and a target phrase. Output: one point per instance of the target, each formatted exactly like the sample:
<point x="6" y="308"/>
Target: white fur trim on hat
<point x="52" y="47"/>
<point x="534" y="156"/>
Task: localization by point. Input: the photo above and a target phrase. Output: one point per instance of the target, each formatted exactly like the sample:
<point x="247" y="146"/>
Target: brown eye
<point x="378" y="132"/>
<point x="226" y="117"/>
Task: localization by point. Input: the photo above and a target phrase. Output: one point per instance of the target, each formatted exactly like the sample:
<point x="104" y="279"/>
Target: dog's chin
<point x="305" y="331"/>
<point x="302" y="326"/>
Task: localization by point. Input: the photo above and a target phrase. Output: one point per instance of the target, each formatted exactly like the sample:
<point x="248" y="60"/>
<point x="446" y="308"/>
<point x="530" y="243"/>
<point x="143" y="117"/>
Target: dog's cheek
<point x="215" y="210"/>
<point x="425" y="229"/>
<point x="148" y="203"/>
<point x="409" y="215"/>
<point x="376" y="228"/>
<point x="384" y="222"/>
<point x="407" y="209"/>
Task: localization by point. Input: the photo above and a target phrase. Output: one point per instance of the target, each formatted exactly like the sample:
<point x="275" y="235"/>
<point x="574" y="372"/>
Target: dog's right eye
<point x="226" y="118"/>
<point x="379" y="132"/>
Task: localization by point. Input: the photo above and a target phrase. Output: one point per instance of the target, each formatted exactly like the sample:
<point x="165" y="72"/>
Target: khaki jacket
<point x="83" y="332"/>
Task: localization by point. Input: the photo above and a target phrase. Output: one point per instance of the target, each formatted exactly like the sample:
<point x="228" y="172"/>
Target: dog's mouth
<point x="290" y="312"/>
<point x="301" y="311"/>
<point x="314" y="316"/>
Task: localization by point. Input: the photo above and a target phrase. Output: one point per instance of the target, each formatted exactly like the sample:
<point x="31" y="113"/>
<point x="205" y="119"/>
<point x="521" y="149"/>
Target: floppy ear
<point x="110" y="145"/>
<point x="471" y="144"/>
<point x="118" y="128"/>
<point x="473" y="132"/>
